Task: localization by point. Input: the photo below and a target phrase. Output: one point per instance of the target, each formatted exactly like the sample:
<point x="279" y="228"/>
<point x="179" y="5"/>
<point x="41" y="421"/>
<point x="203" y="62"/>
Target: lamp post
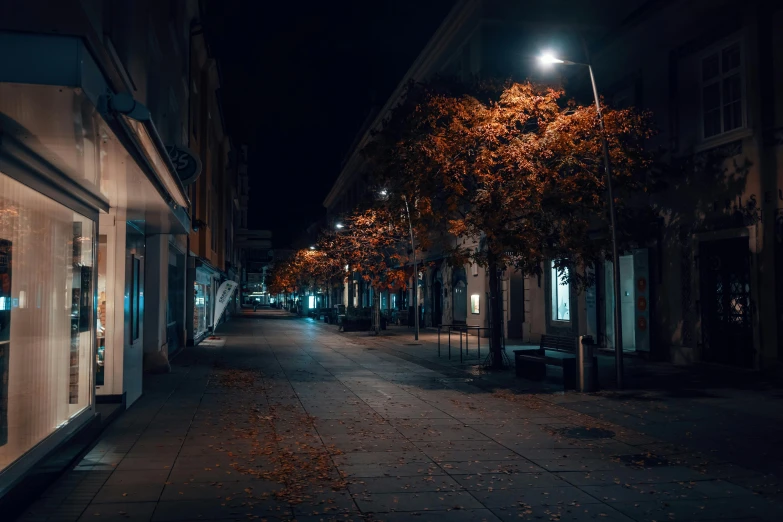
<point x="415" y="275"/>
<point x="384" y="193"/>
<point x="550" y="59"/>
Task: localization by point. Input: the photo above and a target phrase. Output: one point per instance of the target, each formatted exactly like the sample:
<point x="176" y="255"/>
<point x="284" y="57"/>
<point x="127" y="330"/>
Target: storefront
<point x="205" y="281"/>
<point x="81" y="189"/>
<point x="202" y="304"/>
<point x="47" y="334"/>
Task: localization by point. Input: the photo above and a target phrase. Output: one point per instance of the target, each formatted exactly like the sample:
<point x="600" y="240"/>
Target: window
<point x="722" y="91"/>
<point x="135" y="296"/>
<point x="561" y="295"/>
<point x="47" y="322"/>
<point x="474" y="304"/>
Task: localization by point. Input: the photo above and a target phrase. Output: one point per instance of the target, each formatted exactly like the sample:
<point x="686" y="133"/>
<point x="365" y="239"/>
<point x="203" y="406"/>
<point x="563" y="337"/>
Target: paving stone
<point x="415" y="438"/>
<point x="432" y="483"/>
<point x="130" y="511"/>
<point x="549" y="496"/>
<point x="128" y="493"/>
<point x="416" y="501"/>
<point x="562" y="513"/>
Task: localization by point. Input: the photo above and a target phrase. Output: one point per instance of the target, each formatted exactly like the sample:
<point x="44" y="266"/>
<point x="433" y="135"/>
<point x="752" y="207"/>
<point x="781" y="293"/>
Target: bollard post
<point x="585" y="364"/>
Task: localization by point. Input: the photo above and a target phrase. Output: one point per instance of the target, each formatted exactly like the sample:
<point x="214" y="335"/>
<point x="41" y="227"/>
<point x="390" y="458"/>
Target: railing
<point x="463" y="329"/>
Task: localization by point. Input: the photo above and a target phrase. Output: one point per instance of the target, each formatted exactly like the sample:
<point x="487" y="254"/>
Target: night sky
<point x="299" y="79"/>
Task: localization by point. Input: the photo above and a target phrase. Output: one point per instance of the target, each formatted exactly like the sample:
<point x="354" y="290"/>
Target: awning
<point x="54" y="113"/>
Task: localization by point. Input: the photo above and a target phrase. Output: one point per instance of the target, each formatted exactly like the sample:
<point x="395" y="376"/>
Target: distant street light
<point x="384" y="193"/>
<point x="548" y="58"/>
<point x="312" y="248"/>
<point x="339" y="226"/>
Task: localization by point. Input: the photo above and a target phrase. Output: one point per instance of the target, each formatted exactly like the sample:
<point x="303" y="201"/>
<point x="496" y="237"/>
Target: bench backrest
<point x="559" y="343"/>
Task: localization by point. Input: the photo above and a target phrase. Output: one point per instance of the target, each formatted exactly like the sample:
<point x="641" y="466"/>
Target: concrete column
<point x="156" y="285"/>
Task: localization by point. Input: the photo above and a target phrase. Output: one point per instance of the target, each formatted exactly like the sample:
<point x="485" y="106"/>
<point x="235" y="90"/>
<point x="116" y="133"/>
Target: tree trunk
<point x="377" y="312"/>
<point x="495" y="318"/>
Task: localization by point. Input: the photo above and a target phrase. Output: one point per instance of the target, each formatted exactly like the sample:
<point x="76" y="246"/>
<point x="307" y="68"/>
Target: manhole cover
<point x="643" y="460"/>
<point x="587" y="433"/>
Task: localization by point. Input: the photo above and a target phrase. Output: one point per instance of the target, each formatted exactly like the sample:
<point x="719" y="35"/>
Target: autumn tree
<point x="513" y="166"/>
<point x="370" y="242"/>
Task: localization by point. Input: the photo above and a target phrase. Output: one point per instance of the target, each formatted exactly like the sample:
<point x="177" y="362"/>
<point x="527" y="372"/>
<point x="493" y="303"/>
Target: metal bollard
<point x="586" y="364"/>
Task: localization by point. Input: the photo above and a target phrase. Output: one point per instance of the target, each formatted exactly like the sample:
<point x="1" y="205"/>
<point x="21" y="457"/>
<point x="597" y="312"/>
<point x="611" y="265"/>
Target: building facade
<point x="97" y="201"/>
<point x="706" y="285"/>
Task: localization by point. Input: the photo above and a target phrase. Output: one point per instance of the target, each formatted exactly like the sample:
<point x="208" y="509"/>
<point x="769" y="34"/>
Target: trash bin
<point x="586" y="365"/>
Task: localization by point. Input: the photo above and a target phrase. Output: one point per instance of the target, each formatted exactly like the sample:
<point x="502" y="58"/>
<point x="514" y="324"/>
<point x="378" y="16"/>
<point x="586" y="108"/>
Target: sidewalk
<point x="723" y="415"/>
<point x="283" y="418"/>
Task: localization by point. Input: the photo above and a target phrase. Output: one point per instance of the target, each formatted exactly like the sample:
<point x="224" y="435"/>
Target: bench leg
<point x="569" y="374"/>
<point x="531" y="370"/>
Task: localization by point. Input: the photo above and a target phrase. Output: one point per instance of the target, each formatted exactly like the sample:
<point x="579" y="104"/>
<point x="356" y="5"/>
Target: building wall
<point x="666" y="79"/>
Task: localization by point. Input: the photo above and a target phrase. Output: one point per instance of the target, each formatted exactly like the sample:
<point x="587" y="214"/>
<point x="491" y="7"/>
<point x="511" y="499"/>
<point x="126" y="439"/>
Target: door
<point x="437" y="304"/>
<point x="460" y="302"/>
<point x="133" y="354"/>
<point x="627" y="302"/>
<point x="726" y="311"/>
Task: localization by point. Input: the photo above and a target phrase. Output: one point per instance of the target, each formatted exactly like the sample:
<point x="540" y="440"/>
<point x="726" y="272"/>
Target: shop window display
<point x="200" y="307"/>
<point x="46" y="317"/>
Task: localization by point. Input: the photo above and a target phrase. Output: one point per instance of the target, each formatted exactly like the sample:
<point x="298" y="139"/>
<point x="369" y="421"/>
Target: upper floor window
<point x="722" y="90"/>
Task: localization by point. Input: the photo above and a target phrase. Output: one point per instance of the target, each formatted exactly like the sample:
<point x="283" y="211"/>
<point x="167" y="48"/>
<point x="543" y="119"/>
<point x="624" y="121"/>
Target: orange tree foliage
<point x="372" y="243"/>
<point x="305" y="269"/>
<point x="513" y="166"/>
<point x="280" y="279"/>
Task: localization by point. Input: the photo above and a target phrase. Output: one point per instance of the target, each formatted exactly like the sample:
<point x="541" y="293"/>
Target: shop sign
<point x="187" y="164"/>
<point x="223" y="297"/>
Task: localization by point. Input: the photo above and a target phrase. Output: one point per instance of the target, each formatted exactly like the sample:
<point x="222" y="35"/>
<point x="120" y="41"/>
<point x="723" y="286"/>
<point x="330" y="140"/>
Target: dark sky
<point x="299" y="78"/>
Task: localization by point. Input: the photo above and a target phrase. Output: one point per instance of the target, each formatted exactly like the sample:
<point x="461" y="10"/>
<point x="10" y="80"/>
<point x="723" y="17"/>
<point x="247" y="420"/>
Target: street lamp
<point x="312" y="248"/>
<point x="384" y="193"/>
<point x="548" y="58"/>
<point x="339" y="226"/>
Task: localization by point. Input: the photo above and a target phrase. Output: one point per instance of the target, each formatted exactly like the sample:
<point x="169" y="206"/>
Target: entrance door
<point x="460" y="302"/>
<point x="437" y="303"/>
<point x="727" y="328"/>
<point x="627" y="303"/>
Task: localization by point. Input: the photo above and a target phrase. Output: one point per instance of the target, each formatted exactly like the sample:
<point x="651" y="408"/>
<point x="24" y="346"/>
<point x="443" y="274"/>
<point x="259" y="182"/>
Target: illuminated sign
<point x="187" y="164"/>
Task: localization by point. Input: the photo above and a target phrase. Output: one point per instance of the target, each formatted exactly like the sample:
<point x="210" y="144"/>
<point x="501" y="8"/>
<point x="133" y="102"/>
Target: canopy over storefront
<point x="60" y="122"/>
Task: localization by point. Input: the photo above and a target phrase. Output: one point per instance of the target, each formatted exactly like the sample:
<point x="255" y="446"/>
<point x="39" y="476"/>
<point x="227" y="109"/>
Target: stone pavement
<point x="729" y="415"/>
<point x="285" y="419"/>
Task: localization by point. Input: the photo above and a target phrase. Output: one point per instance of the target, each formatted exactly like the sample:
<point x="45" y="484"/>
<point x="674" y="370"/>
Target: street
<point x="283" y="418"/>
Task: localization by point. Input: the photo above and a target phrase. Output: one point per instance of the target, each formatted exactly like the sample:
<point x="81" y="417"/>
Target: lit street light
<point x="339" y="226"/>
<point x="548" y="58"/>
<point x="312" y="248"/>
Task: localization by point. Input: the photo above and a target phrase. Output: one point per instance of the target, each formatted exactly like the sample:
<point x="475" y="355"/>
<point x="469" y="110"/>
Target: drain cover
<point x="643" y="460"/>
<point x="412" y="344"/>
<point x="587" y="433"/>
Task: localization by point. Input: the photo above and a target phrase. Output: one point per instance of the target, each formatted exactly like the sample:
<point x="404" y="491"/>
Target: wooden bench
<point x="531" y="364"/>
